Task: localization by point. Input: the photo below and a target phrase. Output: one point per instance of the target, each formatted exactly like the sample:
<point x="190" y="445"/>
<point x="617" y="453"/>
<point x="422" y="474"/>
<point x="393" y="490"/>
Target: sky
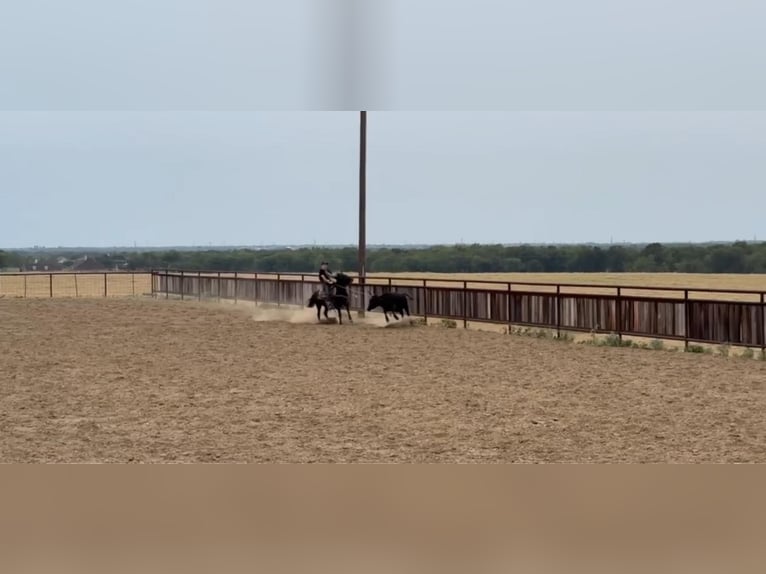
<point x="229" y="122"/>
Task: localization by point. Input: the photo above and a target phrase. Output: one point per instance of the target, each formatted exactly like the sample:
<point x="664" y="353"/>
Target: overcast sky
<point x="170" y="121"/>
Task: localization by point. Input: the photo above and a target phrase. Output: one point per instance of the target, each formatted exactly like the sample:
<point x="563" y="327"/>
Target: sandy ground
<point x="139" y="380"/>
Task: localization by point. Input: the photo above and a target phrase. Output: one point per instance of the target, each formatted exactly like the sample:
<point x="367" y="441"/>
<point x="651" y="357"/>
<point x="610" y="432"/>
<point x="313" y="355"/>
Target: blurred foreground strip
<point x="403" y="518"/>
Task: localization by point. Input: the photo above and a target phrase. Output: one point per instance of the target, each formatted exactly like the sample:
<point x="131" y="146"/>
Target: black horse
<point x="338" y="298"/>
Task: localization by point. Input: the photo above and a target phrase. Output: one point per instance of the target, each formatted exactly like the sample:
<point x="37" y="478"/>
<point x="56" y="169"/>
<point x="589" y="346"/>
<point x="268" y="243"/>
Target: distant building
<point x="86" y="263"/>
<point x="44" y="265"/>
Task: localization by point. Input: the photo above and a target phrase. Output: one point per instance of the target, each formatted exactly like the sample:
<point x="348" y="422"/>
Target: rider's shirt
<point x="324" y="276"/>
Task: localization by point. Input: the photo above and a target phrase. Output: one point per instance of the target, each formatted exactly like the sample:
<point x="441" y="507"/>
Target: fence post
<point x="619" y="313"/>
<point x="425" y="300"/>
<point x="687" y="319"/>
<point x="219" y="286"/>
<point x="256" y="289"/>
<point x="25" y="286"/>
<point x="199" y="285"/>
<point x="183" y="286"/>
<point x="236" y="286"/>
<point x="510" y="310"/>
<point x="76" y="290"/>
<point x="390" y="285"/>
<point x="105" y="287"/>
<point x="558" y="311"/>
<point x="167" y="284"/>
<point x="465" y="304"/>
<point x="50" y="284"/>
<point x="133" y="283"/>
<point x="279" y="290"/>
<point x="763" y="327"/>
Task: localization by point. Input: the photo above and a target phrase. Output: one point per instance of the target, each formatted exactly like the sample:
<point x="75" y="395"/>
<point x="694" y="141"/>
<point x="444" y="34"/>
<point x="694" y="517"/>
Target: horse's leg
<point x="385" y="314"/>
<point x="326" y="316"/>
<point x="348" y="310"/>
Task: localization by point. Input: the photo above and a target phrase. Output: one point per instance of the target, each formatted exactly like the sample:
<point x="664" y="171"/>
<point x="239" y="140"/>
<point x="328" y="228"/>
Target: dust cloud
<point x="306" y="315"/>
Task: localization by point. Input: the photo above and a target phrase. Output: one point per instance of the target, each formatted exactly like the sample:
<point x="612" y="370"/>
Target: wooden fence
<point x="675" y="315"/>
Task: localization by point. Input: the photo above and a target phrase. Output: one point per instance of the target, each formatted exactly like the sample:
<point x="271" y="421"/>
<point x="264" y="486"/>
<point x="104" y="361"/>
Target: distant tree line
<point x="739" y="257"/>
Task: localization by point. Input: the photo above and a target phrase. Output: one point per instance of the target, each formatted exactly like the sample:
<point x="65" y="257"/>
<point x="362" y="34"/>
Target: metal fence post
<point x="619" y="314"/>
<point x="763" y="326"/>
<point x="50" y="284"/>
<point x="106" y="275"/>
<point x="687" y="319"/>
<point x="465" y="304"/>
<point x="76" y="290"/>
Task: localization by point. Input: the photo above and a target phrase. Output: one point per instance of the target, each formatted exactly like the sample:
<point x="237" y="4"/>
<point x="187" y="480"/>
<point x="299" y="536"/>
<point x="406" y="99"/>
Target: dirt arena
<point x="139" y="380"/>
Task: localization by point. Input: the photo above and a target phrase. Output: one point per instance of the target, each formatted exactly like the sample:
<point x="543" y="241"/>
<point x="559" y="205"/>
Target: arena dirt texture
<point x="142" y="380"/>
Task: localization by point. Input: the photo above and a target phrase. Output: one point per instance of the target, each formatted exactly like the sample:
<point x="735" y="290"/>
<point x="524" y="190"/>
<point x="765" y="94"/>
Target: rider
<point x="327" y="279"/>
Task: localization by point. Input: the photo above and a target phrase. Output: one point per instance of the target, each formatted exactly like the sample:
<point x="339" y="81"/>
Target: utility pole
<point x="362" y="209"/>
